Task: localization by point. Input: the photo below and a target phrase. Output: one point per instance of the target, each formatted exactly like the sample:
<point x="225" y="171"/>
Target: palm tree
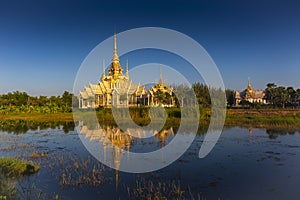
<point x="270" y="93"/>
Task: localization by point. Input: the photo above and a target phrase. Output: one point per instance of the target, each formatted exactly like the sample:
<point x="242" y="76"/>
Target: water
<point x="245" y="164"/>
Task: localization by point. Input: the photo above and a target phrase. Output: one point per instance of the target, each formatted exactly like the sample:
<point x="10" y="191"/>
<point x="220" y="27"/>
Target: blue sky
<point x="43" y="43"/>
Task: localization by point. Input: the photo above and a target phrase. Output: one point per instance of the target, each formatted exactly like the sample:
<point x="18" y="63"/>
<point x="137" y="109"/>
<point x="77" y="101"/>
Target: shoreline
<point x="256" y="118"/>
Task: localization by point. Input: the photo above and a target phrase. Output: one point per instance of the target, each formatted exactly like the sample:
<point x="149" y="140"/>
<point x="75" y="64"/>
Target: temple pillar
<point x="152" y="100"/>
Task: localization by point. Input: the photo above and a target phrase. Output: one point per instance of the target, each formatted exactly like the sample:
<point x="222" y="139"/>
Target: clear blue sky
<point x="42" y="43"/>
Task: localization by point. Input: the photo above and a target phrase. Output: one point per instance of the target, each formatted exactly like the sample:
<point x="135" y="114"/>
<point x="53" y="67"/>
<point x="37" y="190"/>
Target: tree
<point x="298" y="93"/>
<point x="67" y="98"/>
<point x="292" y="95"/>
<point x="202" y="94"/>
<point x="282" y="96"/>
<point x="230" y="97"/>
<point x="270" y="93"/>
<point x="182" y="93"/>
<point x="22" y="102"/>
<point x="43" y="100"/>
<point x="245" y="103"/>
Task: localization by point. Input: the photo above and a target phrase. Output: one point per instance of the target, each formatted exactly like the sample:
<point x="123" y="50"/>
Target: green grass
<point x="235" y="117"/>
<point x="14" y="168"/>
<point x="273" y="121"/>
<point x="38" y="116"/>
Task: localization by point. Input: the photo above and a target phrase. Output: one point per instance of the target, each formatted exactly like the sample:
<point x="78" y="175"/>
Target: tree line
<point x="280" y="96"/>
<point x="21" y="102"/>
<point x="275" y="96"/>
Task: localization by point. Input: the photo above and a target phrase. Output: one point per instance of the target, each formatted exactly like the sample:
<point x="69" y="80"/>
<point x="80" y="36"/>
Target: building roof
<point x="115" y="81"/>
<point x="250" y="93"/>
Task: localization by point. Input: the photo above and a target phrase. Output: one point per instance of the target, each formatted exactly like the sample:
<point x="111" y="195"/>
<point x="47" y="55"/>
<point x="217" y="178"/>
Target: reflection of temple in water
<point x="163" y="136"/>
<point x="114" y="141"/>
<point x="250" y="131"/>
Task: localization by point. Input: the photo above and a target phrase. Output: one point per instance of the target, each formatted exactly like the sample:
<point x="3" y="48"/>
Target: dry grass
<point x="148" y="190"/>
<point x="37" y="155"/>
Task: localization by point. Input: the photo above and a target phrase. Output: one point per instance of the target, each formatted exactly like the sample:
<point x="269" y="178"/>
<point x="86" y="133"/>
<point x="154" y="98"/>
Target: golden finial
<point x="115" y="56"/>
<point x="249" y="85"/>
<point x="127" y="74"/>
<point x="115" y="43"/>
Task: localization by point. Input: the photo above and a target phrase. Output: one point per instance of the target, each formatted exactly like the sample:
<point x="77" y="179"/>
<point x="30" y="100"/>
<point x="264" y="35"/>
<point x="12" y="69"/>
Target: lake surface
<point x="244" y="164"/>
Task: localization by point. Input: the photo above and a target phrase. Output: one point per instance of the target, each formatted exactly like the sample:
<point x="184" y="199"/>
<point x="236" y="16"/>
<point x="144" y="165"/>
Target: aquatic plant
<point x="149" y="190"/>
<point x="11" y="167"/>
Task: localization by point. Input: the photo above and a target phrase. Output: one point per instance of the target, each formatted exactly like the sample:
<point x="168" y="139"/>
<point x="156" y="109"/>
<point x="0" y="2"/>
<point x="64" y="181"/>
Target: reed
<point x="11" y="167"/>
<point x="149" y="190"/>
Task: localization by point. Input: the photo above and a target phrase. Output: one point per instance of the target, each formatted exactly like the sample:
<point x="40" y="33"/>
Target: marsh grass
<point x="290" y="121"/>
<point x="15" y="168"/>
<point x="77" y="171"/>
<point x="10" y="170"/>
<point x="15" y="147"/>
<point x="149" y="190"/>
<point x="38" y="155"/>
<point x="7" y="188"/>
<point x="264" y="117"/>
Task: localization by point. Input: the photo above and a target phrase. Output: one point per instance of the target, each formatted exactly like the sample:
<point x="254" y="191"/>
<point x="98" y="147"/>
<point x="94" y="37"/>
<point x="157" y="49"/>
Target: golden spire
<point x="127" y="74"/>
<point x="160" y="77"/>
<point x="249" y="85"/>
<point x="115" y="43"/>
<point x="115" y="57"/>
<point x="115" y="70"/>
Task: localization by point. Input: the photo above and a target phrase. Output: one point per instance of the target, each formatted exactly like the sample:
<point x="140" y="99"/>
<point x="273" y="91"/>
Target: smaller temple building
<point x="251" y="95"/>
<point x="161" y="94"/>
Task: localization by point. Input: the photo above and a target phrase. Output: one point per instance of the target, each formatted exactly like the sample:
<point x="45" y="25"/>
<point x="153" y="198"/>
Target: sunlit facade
<point x="117" y="90"/>
<point x="251" y="95"/>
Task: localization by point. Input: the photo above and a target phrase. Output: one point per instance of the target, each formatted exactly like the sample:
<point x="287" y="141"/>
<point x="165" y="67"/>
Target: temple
<point x="251" y="95"/>
<point x="161" y="94"/>
<point x="117" y="90"/>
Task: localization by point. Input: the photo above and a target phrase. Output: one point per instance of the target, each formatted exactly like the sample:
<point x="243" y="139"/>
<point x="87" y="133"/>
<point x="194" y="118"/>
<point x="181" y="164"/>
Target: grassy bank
<point x="37" y="116"/>
<point x="267" y="118"/>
